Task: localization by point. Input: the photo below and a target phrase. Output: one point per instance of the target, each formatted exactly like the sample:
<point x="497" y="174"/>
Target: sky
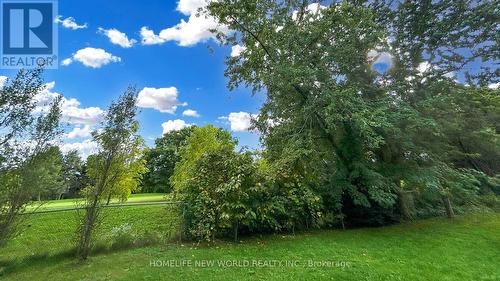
<point x="162" y="49"/>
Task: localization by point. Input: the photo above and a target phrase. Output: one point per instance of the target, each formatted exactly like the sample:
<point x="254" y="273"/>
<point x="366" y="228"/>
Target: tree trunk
<point x="405" y="203"/>
<point x="84" y="245"/>
<point x="7" y="224"/>
<point x="236" y="225"/>
<point x="447" y="205"/>
<point x="91" y="216"/>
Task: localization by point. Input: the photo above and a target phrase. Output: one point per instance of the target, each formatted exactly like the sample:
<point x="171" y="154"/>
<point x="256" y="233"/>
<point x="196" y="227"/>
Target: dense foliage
<point x="160" y="160"/>
<point x="363" y="105"/>
<point x="74" y="173"/>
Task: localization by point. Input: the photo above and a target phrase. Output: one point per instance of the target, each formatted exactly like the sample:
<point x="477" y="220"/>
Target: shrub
<point x="217" y="195"/>
<point x="149" y="238"/>
<point x="122" y="237"/>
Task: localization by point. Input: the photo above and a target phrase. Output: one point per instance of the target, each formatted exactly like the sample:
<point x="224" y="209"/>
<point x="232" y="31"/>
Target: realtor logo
<point x="28" y="34"/>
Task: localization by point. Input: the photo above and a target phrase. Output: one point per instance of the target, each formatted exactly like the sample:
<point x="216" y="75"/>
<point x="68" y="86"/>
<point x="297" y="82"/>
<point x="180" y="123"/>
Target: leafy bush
<point x="122" y="237"/>
<point x="283" y="200"/>
<point x="149" y="238"/>
<point x="217" y="195"/>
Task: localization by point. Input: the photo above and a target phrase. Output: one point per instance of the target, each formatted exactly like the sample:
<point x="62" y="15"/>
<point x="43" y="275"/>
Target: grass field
<point x="70" y="203"/>
<point x="466" y="248"/>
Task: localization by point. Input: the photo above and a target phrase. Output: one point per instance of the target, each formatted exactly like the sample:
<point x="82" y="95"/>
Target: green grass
<point x="70" y="203"/>
<point x="48" y="234"/>
<point x="466" y="248"/>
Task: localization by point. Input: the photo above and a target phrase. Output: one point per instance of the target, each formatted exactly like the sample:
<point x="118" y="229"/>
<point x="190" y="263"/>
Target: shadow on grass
<point x="9" y="266"/>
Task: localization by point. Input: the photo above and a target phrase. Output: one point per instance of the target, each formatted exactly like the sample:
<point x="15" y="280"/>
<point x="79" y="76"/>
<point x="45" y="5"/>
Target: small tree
<point x="25" y="144"/>
<point x="118" y="140"/>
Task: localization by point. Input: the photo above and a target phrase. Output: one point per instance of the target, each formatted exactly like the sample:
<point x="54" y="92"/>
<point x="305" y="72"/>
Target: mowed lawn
<point x="71" y="203"/>
<point x="49" y="234"/>
<point x="465" y="248"/>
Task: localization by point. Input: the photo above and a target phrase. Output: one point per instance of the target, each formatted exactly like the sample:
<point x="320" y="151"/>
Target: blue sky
<point x="102" y="51"/>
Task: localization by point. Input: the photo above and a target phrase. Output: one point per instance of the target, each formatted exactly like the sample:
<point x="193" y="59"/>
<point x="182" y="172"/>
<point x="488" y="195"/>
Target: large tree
<point x="452" y="128"/>
<point x="321" y="103"/>
<point x="361" y="130"/>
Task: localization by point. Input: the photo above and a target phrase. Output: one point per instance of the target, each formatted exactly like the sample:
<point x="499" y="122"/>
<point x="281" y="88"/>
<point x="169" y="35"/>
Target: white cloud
<point x="186" y="33"/>
<point x="240" y="121"/>
<point x="70" y="23"/>
<point x="117" y="37"/>
<point x="66" y="62"/>
<point x="174" y="125"/>
<point x="92" y="57"/>
<point x="315" y="8"/>
<point x="3" y="80"/>
<point x="236" y="50"/>
<point x="74" y="114"/>
<point x="84" y="148"/>
<point x="79" y="132"/>
<point x="70" y="109"/>
<point x="188" y="7"/>
<point x="195" y="30"/>
<point x="161" y="99"/>
<point x="312" y="9"/>
<point x="494" y="86"/>
<point x="149" y="37"/>
<point x="190" y="113"/>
